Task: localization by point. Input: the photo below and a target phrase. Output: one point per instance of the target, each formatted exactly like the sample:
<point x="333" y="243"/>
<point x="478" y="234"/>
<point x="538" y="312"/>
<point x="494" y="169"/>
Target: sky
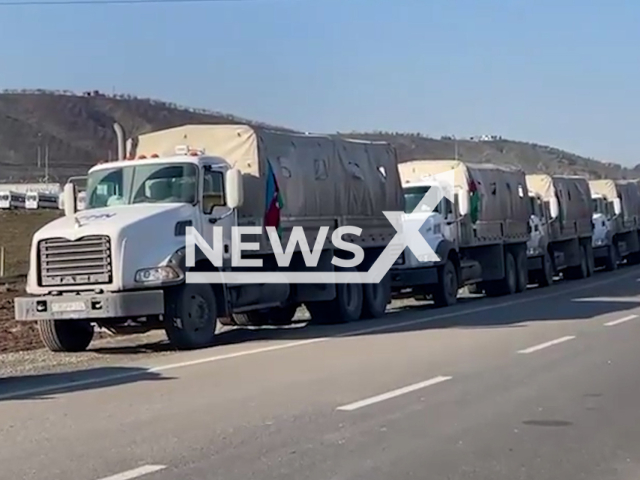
<point x="564" y="73"/>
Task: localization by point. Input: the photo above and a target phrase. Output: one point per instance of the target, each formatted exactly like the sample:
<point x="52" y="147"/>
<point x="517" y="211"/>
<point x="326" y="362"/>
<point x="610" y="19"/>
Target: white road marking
<point x="136" y="472"/>
<point x="608" y="299"/>
<point x="392" y="394"/>
<point x="535" y="348"/>
<point x="298" y="343"/>
<point x="620" y="320"/>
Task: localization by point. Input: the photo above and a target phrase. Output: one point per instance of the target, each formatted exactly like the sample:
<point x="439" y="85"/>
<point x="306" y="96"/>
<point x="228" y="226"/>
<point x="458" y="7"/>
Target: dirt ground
<point x="15" y="336"/>
<point x="16" y="229"/>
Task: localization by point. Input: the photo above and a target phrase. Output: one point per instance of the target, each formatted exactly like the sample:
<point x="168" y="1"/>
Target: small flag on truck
<point x="274" y="201"/>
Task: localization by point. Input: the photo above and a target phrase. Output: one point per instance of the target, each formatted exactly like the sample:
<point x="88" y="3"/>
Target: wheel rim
<point x="198" y="313"/>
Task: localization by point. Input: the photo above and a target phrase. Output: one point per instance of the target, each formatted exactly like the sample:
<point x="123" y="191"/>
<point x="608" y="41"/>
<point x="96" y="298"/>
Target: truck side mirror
<point x="554" y="207"/>
<point x="69" y="199"/>
<point x="617" y="206"/>
<point x="234" y="188"/>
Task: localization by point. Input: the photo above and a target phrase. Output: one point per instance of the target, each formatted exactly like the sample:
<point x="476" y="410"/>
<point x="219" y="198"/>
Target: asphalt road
<point x="541" y="385"/>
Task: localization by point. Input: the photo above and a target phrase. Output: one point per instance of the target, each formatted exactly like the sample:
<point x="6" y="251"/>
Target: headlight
<point x="599" y="242"/>
<point x="156" y="274"/>
<point x="534" y="251"/>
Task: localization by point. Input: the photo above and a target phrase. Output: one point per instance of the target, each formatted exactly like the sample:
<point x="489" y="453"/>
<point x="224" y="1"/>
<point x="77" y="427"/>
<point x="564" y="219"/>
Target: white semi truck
<point x="480" y="235"/>
<point x="616" y="217"/>
<point x="121" y="263"/>
<point x="562" y="228"/>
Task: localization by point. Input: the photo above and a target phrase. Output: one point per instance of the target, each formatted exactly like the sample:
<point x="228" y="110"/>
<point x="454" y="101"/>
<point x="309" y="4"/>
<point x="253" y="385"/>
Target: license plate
<point x="68" y="307"/>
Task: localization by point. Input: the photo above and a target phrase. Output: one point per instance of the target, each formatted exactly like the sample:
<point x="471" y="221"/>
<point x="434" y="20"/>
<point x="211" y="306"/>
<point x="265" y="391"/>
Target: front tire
<point x="446" y="293"/>
<point x="522" y="271"/>
<point x="190" y="319"/>
<point x="611" y="262"/>
<point x="66" y="335"/>
<point x="546" y="276"/>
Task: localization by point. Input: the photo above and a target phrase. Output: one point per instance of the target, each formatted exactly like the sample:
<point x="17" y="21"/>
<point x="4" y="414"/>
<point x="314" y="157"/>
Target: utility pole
<point x="455" y="148"/>
<point x="46" y="164"/>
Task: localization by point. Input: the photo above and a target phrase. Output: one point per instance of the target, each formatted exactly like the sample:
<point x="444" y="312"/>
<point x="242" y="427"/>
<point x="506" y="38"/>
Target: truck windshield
<point x="413" y="196"/>
<point x="599" y="205"/>
<point x="153" y="183"/>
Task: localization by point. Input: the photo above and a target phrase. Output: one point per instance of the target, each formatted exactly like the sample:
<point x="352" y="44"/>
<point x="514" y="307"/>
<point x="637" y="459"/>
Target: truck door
<point x="214" y="211"/>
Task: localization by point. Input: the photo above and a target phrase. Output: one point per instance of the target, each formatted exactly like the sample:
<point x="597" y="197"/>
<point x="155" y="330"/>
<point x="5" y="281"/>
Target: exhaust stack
<point x="121" y="140"/>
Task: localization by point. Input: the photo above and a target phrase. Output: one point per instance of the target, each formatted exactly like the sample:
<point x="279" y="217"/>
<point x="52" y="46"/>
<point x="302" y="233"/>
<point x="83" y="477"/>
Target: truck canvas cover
<point x="573" y="197"/>
<point x="321" y="180"/>
<point x="628" y="194"/>
<point x="501" y="190"/>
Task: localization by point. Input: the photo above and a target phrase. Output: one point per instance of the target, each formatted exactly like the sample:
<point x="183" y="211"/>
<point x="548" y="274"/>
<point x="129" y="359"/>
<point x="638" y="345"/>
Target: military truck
<point x="122" y="262"/>
<point x="562" y="228"/>
<point x="616" y="205"/>
<point x="480" y="235"/>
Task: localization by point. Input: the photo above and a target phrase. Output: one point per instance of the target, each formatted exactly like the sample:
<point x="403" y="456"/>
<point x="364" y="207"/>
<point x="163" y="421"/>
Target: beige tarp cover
<point x="572" y="192"/>
<point x="503" y="189"/>
<point x="319" y="176"/>
<point x="606" y="188"/>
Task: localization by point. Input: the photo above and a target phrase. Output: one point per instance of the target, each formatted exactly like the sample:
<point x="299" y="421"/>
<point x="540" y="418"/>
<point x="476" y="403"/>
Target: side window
<point x="212" y="191"/>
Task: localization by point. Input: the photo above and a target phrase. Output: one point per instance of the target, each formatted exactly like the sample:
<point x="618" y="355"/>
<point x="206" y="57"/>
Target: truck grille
<point x="85" y="261"/>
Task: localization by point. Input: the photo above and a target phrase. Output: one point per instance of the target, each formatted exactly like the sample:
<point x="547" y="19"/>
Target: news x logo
<point x="408" y="234"/>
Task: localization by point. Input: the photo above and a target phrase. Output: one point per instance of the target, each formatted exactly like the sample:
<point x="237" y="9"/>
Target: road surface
<point x="542" y="385"/>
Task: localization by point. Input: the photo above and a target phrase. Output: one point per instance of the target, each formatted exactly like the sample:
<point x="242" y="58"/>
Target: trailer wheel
<point x="522" y="271"/>
<point x="65" y="335"/>
<point x="345" y="307"/>
<point x="190" y="319"/>
<point x="446" y="292"/>
<point x="507" y="285"/>
<point x="611" y="262"/>
<point x="376" y="296"/>
<point x="546" y="274"/>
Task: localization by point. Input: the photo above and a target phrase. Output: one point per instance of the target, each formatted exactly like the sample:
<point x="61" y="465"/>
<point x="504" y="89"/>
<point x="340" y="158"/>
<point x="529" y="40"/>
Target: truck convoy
<point x="121" y="263"/>
<point x="561" y="228"/>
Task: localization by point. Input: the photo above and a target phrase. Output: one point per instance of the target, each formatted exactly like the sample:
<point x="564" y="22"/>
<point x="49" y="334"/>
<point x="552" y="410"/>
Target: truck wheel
<point x="190" y="319"/>
<point x="345" y="307"/>
<point x="611" y="262"/>
<point x="546" y="275"/>
<point x="506" y="286"/>
<point x="591" y="261"/>
<point x="65" y="335"/>
<point x="522" y="271"/>
<point x="581" y="271"/>
<point x="375" y="298"/>
<point x="446" y="292"/>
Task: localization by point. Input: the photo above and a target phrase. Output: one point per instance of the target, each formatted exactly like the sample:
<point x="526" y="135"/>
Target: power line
<point x="18" y="3"/>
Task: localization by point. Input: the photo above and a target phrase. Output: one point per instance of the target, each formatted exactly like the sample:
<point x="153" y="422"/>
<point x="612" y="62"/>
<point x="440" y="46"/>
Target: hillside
<point x="77" y="131"/>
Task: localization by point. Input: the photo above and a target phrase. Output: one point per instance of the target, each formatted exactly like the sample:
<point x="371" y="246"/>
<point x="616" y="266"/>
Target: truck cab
<point x="116" y="261"/>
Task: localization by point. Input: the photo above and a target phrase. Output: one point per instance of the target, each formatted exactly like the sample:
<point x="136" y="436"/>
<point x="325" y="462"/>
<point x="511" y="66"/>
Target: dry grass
<point x="16" y="229"/>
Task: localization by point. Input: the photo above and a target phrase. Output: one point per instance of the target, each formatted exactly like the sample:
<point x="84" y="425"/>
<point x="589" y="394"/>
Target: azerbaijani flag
<point x="274" y="201"/>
